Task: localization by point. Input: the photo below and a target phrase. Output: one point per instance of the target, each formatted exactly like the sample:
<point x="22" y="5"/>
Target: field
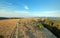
<point x="6" y="27"/>
<point x="27" y="27"/>
<point x="57" y="23"/>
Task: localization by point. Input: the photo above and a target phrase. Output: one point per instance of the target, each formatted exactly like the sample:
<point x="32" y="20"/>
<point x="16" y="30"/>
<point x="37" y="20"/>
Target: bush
<point x="1" y="36"/>
<point x="39" y="26"/>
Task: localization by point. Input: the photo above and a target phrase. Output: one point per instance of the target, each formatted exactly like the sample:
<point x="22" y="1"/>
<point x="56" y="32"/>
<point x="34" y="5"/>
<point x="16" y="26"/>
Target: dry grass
<point x="57" y="23"/>
<point x="6" y="26"/>
<point x="26" y="26"/>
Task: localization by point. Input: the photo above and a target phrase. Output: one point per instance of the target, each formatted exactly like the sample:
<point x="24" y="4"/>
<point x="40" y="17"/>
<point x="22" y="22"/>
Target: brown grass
<point x="6" y="26"/>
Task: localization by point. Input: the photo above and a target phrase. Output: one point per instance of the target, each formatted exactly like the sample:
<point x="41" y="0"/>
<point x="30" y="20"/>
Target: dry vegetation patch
<point x="6" y="27"/>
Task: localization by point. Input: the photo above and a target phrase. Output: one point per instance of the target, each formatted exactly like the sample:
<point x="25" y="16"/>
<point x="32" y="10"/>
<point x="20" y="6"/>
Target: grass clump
<point x="39" y="25"/>
<point x="1" y="36"/>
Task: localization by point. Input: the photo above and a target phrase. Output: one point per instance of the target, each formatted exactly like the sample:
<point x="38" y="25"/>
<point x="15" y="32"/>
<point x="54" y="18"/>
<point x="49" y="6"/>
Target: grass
<point x="39" y="25"/>
<point x="7" y="26"/>
<point x="53" y="26"/>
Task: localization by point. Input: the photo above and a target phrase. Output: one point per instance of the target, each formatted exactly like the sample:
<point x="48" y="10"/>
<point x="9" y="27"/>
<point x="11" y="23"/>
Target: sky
<point x="29" y="8"/>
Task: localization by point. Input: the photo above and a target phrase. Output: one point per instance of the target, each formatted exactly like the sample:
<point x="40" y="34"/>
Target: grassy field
<point x="6" y="27"/>
<point x="57" y="24"/>
<point x="53" y="23"/>
<point x="27" y="28"/>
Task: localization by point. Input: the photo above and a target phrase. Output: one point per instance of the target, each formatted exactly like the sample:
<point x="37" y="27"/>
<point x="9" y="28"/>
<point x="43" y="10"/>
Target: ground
<point x="26" y="26"/>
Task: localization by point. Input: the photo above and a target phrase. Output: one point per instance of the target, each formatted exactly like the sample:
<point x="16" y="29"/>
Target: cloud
<point x="26" y="7"/>
<point x="15" y="13"/>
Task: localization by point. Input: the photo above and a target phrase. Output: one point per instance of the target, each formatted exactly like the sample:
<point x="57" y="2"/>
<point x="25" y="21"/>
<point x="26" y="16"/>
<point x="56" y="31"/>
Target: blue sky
<point x="29" y="8"/>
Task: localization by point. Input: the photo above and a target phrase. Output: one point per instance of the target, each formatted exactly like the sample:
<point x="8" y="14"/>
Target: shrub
<point x="1" y="36"/>
<point x="39" y="25"/>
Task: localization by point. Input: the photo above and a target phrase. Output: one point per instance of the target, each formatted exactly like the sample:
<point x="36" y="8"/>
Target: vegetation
<point x="6" y="27"/>
<point x="1" y="36"/>
<point x="53" y="26"/>
<point x="26" y="26"/>
<point x="39" y="25"/>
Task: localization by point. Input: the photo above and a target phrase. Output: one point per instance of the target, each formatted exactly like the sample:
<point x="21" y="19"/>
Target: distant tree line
<point x="2" y="18"/>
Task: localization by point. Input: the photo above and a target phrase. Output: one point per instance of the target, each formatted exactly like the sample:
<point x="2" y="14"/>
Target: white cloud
<point x="26" y="7"/>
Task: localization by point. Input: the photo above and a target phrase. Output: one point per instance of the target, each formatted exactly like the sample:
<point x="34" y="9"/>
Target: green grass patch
<point x="39" y="25"/>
